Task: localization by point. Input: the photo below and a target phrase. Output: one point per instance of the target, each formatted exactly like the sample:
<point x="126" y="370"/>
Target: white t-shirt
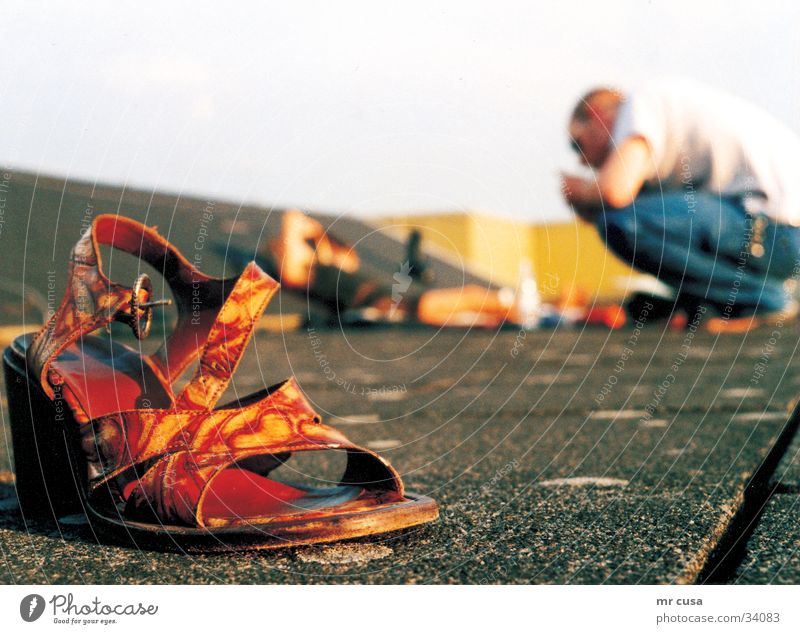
<point x="706" y="140"/>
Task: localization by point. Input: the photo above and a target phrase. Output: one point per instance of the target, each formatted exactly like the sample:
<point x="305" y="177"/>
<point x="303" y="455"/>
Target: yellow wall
<point x="564" y="255"/>
<point x="572" y="254"/>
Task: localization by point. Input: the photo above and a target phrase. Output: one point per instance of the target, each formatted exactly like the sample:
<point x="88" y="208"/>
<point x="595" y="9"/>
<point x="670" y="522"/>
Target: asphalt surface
<point x="773" y="551"/>
<point x="559" y="456"/>
<point x="538" y="482"/>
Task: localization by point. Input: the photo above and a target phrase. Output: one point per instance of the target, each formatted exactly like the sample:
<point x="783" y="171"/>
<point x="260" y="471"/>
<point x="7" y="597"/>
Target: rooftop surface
<point x="635" y="456"/>
<point x="537" y="482"/>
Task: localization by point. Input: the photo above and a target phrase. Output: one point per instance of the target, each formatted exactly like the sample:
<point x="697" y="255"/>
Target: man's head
<point x="591" y="125"/>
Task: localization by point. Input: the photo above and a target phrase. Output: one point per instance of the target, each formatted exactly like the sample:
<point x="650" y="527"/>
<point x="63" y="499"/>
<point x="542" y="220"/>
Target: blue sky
<point x="357" y="107"/>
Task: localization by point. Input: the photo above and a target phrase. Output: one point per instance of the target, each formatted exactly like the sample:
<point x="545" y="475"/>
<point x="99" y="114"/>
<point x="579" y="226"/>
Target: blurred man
<point x="698" y="188"/>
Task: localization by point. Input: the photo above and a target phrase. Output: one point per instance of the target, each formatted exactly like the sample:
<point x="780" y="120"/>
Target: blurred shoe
<point x="609" y="315"/>
<point x="419" y="265"/>
<point x="777" y="318"/>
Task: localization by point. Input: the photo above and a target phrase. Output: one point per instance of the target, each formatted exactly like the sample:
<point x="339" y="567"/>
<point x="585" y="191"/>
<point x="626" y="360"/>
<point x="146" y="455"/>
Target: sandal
<point x="99" y="429"/>
<point x="349" y="299"/>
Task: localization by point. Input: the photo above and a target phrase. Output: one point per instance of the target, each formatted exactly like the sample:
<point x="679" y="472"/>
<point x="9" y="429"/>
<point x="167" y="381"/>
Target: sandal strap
<point x="92" y="301"/>
<point x="178" y="453"/>
<point x="174" y="488"/>
<point x="227" y="339"/>
<point x="117" y="442"/>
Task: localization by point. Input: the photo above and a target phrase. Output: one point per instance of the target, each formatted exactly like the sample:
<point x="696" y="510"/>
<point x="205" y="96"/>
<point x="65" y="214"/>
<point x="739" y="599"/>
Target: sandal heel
<point x="48" y="480"/>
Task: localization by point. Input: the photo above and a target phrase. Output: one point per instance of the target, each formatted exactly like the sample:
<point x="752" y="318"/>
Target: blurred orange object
<point x="609" y="315"/>
<point x="575" y="307"/>
<point x="678" y="321"/>
<point x="573" y="304"/>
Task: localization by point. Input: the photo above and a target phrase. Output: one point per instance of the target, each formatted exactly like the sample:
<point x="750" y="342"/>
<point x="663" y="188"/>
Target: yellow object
<point x="282" y="322"/>
<point x="566" y="255"/>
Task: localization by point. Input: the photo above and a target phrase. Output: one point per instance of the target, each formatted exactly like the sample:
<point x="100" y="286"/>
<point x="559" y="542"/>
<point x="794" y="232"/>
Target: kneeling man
<point x="698" y="188"/>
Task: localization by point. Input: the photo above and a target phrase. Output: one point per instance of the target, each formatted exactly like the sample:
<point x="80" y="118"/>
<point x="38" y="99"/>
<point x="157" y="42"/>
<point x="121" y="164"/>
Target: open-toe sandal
<point x="100" y="428"/>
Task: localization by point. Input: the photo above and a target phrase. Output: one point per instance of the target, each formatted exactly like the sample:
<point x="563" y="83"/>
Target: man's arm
<point x="625" y="171"/>
<point x="618" y="180"/>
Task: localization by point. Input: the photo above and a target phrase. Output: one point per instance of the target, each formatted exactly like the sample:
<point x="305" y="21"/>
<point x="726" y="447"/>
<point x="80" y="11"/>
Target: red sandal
<point x="98" y="429"/>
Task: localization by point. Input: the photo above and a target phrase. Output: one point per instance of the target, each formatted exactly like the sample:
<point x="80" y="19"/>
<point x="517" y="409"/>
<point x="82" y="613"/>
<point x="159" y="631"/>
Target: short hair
<point x="597" y="99"/>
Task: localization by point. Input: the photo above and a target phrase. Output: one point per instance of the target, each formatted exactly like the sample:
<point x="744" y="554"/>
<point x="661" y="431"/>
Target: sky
<point x="366" y="108"/>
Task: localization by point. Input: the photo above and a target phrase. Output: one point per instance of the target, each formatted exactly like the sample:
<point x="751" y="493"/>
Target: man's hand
<point x="582" y="195"/>
<point x="617" y="182"/>
<point x="578" y="190"/>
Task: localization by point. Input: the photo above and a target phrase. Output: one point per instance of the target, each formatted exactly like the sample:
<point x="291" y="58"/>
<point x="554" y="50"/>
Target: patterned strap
<point x="92" y="301"/>
<point x="116" y="442"/>
<point x="227" y="339"/>
<point x="174" y="489"/>
<point x="182" y="452"/>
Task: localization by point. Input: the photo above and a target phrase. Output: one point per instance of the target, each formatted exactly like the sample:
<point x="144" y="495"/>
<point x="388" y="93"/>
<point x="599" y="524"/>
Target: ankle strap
<point x="92" y="301"/>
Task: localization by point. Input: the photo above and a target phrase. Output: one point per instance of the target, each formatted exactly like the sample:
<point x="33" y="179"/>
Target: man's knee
<point x="617" y="228"/>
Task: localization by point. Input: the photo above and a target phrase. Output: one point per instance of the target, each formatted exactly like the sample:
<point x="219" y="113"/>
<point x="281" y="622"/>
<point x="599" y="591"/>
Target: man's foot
<point x="718" y="325"/>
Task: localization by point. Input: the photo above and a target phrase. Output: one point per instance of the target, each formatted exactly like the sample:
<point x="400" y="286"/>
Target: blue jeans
<point x="707" y="248"/>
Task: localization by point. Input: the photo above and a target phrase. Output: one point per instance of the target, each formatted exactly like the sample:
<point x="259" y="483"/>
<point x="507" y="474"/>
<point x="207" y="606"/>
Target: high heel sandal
<point x="98" y="429"/>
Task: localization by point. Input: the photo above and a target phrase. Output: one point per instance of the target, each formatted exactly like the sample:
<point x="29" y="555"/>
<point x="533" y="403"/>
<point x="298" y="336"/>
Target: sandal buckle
<point x="140" y="315"/>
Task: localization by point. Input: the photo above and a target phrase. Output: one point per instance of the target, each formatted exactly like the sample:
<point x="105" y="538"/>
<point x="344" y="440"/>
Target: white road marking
<point x="549" y="379"/>
<point x="581" y="359"/>
<point x="698" y="352"/>
<point x="379" y="445"/>
<point x="344" y="554"/>
<point x="605" y="414"/>
<point x="655" y="423"/>
<point x="584" y="481"/>
<point x="355" y="419"/>
<point x="758" y="416"/>
<point x="740" y="392"/>
<point x="386" y="396"/>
